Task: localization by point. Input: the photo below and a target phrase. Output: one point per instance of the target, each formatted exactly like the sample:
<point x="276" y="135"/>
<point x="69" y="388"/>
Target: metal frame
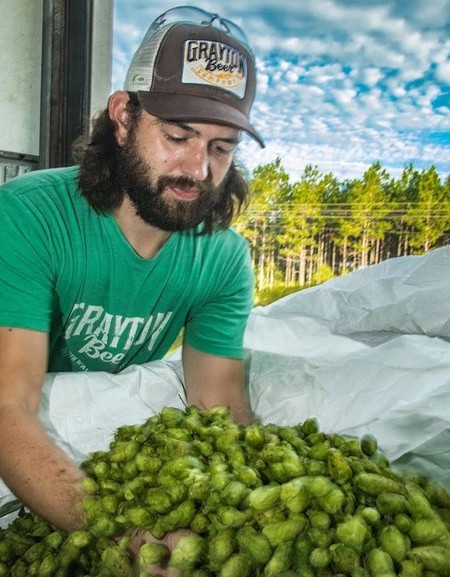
<point x="66" y="78"/>
<point x="12" y="164"/>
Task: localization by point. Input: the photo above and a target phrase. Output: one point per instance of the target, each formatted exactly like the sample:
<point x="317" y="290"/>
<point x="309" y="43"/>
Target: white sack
<point x="364" y="353"/>
<point x="81" y="411"/>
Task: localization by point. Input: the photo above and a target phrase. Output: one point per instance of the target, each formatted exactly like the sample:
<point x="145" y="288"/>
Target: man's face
<point x="173" y="173"/>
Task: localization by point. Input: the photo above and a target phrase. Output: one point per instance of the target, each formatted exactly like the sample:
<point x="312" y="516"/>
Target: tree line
<point x="306" y="232"/>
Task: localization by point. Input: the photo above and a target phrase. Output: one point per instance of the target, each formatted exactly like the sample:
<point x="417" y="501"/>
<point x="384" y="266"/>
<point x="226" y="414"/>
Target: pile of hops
<point x="261" y="500"/>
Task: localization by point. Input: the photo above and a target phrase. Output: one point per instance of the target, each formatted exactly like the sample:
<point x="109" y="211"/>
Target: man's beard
<point x="135" y="179"/>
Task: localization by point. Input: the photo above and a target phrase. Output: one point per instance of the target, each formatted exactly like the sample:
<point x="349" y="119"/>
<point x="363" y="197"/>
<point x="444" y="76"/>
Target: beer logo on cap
<point x="215" y="64"/>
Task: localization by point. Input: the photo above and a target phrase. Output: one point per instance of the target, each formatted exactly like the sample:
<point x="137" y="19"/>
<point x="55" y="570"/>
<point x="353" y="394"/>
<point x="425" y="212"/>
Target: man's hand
<point x="212" y="381"/>
<point x="36" y="470"/>
<point x="139" y="538"/>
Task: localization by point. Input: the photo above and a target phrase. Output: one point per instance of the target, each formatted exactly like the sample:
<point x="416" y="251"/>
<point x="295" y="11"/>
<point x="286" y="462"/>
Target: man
<point x="104" y="263"/>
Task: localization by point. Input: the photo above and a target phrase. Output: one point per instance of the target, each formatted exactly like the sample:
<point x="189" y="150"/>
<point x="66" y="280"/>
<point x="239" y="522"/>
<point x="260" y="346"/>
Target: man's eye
<point x="224" y="150"/>
<point x="175" y="138"/>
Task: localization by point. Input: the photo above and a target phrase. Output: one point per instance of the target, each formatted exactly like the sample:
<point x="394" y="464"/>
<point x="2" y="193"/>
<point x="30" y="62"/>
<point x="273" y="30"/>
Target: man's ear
<point x="117" y="108"/>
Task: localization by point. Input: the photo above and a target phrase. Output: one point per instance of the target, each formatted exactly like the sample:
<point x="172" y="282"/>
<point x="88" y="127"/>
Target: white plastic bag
<point x="364" y="353"/>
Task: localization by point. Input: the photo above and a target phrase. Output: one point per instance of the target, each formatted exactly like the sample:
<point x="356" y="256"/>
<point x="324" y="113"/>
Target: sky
<point x="341" y="83"/>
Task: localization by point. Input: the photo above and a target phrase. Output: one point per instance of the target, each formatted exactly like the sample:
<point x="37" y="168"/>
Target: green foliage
<point x="304" y="233"/>
<point x="322" y="274"/>
<point x="270" y="295"/>
<point x="428" y="216"/>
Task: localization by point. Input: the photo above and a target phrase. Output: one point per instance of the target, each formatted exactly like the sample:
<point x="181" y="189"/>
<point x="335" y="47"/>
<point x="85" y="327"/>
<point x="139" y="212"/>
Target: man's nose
<point x="196" y="163"/>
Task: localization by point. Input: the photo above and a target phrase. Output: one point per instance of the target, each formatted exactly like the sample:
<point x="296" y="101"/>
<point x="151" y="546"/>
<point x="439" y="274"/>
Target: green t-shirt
<point x="69" y="271"/>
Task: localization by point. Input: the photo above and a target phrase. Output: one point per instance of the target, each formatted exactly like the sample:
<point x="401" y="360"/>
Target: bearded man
<point x="104" y="263"/>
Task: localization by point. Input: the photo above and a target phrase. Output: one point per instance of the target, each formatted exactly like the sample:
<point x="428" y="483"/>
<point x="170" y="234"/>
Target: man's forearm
<point x="37" y="471"/>
<point x="243" y="415"/>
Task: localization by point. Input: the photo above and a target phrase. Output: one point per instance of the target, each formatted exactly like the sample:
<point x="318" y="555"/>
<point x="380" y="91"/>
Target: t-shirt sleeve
<point x="217" y="326"/>
<point x="26" y="284"/>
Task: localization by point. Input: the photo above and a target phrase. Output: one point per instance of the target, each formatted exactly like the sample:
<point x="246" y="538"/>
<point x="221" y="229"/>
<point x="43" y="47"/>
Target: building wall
<point x="20" y="83"/>
<point x="102" y="54"/>
<point x="21" y="72"/>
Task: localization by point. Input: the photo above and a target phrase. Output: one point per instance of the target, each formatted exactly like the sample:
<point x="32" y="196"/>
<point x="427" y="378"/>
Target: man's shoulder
<point x="40" y="184"/>
<point x="233" y="242"/>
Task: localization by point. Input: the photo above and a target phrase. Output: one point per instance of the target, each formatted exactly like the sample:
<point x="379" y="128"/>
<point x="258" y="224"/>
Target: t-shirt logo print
<point x="215" y="63"/>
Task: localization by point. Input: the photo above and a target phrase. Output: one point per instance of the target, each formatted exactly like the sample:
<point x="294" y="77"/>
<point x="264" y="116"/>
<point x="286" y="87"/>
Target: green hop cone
<point x="369" y="444"/>
<point x="158" y="500"/>
<point x="333" y="502"/>
<point x="124" y="451"/>
<point x="289" y="468"/>
<point x="19" y="569"/>
<point x="295" y="495"/>
<point x="433" y="557"/>
<point x="200" y="523"/>
<point x="248" y="475"/>
<point x="237" y="565"/>
<point x="221" y="546"/>
<point x="310" y="426"/>
<point x="255" y="435"/>
<point x="48" y="565"/>
<point x="345" y="559"/>
<point x="393" y="542"/>
<point x="6" y="551"/>
<point x="338" y="467"/>
<point x="78" y="539"/>
<point x="35" y="552"/>
<point x="232" y="517"/>
<point x="320" y="558"/>
<point x="89" y="486"/>
<point x="188" y="552"/>
<point x="411" y="568"/>
<point x="379" y="563"/>
<point x="148" y="463"/>
<point x="234" y="493"/>
<point x="116" y="563"/>
<point x="255" y="544"/>
<point x="280" y="560"/>
<point x="265" y="497"/>
<point x="320" y="486"/>
<point x="353" y="532"/>
<point x="283" y="531"/>
<point x="140" y="517"/>
<point x="152" y="554"/>
<point x="172" y="417"/>
<point x="391" y="503"/>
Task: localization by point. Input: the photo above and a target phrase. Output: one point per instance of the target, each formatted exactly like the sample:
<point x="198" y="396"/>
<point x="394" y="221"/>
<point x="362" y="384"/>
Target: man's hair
<point x="97" y="155"/>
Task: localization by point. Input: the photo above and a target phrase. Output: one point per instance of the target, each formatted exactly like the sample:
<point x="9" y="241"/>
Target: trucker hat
<point x="195" y="66"/>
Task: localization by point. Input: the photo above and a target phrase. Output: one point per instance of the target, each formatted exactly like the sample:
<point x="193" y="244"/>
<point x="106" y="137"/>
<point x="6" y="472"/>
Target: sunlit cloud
<point x="341" y="83"/>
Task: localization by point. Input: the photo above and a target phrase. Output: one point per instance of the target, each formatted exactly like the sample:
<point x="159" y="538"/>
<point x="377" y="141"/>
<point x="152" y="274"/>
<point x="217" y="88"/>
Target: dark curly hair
<point x="97" y="154"/>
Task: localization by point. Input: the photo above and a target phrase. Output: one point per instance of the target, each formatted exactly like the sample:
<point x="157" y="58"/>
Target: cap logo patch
<point x="215" y="64"/>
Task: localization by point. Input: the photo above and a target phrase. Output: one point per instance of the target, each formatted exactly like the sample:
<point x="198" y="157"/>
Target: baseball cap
<point x="193" y="65"/>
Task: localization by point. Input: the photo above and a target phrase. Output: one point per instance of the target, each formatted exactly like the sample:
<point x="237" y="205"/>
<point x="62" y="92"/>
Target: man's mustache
<point x="185" y="182"/>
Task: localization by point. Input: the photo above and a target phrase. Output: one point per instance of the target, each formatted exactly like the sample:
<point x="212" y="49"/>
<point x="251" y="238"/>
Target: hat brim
<point x="196" y="109"/>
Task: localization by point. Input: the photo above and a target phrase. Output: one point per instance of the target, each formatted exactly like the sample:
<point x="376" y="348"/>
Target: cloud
<point x="341" y="83"/>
